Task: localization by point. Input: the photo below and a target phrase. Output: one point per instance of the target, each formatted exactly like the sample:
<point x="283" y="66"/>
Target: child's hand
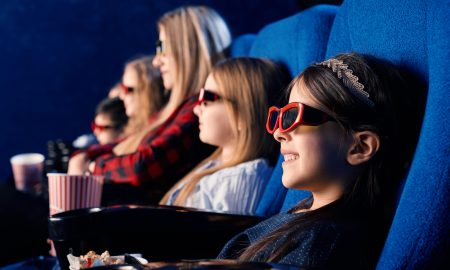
<point x="52" y="250"/>
<point x="79" y="164"/>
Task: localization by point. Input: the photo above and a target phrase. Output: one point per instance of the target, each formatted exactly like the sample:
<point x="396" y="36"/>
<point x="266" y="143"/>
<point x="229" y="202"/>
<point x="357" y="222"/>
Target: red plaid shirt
<point x="163" y="157"/>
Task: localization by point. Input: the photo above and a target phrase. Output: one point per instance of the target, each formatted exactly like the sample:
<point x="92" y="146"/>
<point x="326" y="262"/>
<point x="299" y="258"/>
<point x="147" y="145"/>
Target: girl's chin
<point x="206" y="141"/>
<point x="286" y="180"/>
<point x="203" y="138"/>
<point x="129" y="113"/>
<point x="167" y="84"/>
<point x="290" y="179"/>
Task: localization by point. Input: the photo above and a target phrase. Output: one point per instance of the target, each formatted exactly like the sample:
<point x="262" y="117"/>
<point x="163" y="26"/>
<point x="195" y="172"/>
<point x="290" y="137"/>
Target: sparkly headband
<point x="348" y="79"/>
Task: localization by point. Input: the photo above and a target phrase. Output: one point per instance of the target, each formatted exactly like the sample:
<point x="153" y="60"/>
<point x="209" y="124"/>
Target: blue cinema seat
<point x="295" y="42"/>
<point x="414" y="34"/>
<point x="242" y="45"/>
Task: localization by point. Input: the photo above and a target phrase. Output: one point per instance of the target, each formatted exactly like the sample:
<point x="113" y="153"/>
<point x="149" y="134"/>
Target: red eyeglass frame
<point x="126" y="89"/>
<point x="298" y="120"/>
<point x="101" y="128"/>
<point x="207" y="95"/>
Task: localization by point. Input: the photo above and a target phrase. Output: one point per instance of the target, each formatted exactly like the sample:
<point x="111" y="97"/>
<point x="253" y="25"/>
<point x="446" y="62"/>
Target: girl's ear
<point x="365" y="145"/>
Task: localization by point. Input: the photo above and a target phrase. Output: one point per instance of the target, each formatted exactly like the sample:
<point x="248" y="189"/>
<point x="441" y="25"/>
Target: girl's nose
<point x="197" y="110"/>
<point x="156" y="62"/>
<point x="122" y="94"/>
<point x="280" y="136"/>
<point x="96" y="131"/>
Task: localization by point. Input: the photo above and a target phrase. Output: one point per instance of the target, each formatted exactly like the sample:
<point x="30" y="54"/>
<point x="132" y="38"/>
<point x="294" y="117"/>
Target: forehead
<point x="102" y="119"/>
<point x="162" y="34"/>
<point x="300" y="93"/>
<point x="130" y="76"/>
<point x="211" y="84"/>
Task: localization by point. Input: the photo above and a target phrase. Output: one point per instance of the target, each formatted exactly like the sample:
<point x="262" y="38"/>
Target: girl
<point x="347" y="135"/>
<point x="192" y="39"/>
<point x="110" y="121"/>
<point x="231" y="114"/>
<point x="142" y="92"/>
<point x="142" y="96"/>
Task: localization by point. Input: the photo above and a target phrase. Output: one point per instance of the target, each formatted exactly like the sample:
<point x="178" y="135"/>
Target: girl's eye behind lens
<point x="289" y="117"/>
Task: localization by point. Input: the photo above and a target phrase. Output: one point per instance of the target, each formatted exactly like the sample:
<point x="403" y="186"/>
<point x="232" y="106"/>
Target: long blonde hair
<point x="245" y="84"/>
<point x="149" y="93"/>
<point x="196" y="38"/>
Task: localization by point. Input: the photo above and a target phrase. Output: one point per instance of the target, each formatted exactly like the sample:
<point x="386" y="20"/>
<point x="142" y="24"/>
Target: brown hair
<point x="396" y="118"/>
<point x="115" y="110"/>
<point x="246" y="83"/>
<point x="196" y="38"/>
<point x="150" y="95"/>
<point x="149" y="91"/>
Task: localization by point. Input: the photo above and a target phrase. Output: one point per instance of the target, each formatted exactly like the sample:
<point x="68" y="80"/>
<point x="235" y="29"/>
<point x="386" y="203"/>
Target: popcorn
<point x="91" y="259"/>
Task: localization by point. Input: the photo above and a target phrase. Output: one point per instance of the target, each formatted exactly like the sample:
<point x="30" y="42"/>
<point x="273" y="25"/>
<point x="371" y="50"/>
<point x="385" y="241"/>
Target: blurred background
<point x="59" y="58"/>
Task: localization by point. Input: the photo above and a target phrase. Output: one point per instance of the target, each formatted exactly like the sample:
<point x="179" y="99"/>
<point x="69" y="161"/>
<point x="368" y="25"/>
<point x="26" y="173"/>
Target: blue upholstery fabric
<point x="293" y="196"/>
<point x="416" y="34"/>
<point x="241" y="45"/>
<point x="296" y="42"/>
<point x="274" y="194"/>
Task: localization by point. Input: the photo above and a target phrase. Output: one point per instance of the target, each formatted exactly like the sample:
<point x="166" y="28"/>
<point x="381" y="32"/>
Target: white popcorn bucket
<point x="68" y="192"/>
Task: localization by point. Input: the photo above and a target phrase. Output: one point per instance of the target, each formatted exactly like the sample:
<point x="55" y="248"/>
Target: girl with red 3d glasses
<point x="191" y="40"/>
<point x="347" y="135"/>
<point x="137" y="101"/>
<point x="231" y="110"/>
<point x="110" y="121"/>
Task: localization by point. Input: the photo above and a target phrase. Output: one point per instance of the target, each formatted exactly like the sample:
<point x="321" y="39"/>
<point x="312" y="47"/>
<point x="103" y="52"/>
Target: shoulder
<point x="255" y="166"/>
<point x="269" y="225"/>
<point x="330" y="230"/>
<point x="242" y="173"/>
<point x="182" y="117"/>
<point x="327" y="243"/>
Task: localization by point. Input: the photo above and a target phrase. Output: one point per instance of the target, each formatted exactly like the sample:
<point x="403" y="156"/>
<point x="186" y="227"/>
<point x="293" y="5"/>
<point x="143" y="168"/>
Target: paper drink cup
<point x="27" y="171"/>
<point x="68" y="192"/>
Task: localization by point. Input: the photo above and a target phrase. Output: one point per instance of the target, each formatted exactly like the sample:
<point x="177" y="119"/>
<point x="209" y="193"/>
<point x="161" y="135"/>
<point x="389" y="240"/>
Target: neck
<point x="326" y="196"/>
<point x="227" y="154"/>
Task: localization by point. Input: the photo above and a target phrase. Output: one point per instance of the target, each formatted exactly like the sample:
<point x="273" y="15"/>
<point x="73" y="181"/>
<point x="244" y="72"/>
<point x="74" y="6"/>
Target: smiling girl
<point x="347" y="135"/>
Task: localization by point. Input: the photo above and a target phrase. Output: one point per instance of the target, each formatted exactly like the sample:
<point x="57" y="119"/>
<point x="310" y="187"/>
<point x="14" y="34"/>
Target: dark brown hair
<point x="395" y="117"/>
<point x="115" y="109"/>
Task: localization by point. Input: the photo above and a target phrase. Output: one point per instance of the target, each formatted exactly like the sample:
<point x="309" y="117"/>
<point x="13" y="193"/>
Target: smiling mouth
<point x="290" y="157"/>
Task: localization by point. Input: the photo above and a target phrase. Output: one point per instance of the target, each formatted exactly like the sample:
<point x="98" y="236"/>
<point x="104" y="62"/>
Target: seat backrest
<point x="414" y="34"/>
<point x="242" y="45"/>
<point x="295" y="42"/>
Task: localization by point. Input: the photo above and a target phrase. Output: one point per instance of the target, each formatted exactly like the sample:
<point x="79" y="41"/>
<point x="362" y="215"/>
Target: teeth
<point x="290" y="157"/>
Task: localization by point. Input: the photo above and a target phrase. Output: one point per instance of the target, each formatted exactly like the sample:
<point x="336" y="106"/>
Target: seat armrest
<point x="157" y="232"/>
<point x="218" y="265"/>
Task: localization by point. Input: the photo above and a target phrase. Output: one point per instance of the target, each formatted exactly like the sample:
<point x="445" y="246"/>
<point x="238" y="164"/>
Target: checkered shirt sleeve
<point x="164" y="155"/>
